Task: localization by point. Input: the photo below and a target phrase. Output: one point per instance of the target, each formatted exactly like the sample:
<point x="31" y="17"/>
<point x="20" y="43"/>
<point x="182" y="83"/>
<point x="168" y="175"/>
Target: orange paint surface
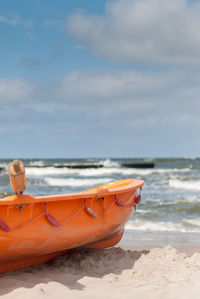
<point x="36" y="229"/>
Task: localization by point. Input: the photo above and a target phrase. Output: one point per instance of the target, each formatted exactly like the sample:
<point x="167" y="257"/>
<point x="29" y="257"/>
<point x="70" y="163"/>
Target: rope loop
<point x="4" y="226"/>
<point x="88" y="210"/>
<point x="92" y="213"/>
<point x="7" y="229"/>
<point x="54" y="221"/>
<point x="120" y="202"/>
<point x="138" y="197"/>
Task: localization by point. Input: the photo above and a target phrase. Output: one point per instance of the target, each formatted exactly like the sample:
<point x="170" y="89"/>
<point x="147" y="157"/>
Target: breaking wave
<point x="36" y="171"/>
<point x="71" y="182"/>
<point x="163" y="226"/>
<point x="186" y="185"/>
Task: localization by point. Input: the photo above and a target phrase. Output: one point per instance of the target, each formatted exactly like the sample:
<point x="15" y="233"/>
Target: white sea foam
<point x="194" y="222"/>
<point x="4" y="165"/>
<point x="109" y="163"/>
<point x="159" y="226"/>
<point x="187" y="185"/>
<point x="35" y="171"/>
<point x="186" y="200"/>
<point x="146" y="172"/>
<point x="112" y="170"/>
<point x="98" y="171"/>
<point x="76" y="182"/>
<point x="190" y="199"/>
<point x="36" y="163"/>
<point x="142" y="212"/>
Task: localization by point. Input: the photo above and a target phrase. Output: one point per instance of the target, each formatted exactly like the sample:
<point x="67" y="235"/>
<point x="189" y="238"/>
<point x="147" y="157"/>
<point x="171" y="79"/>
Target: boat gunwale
<point x="93" y="193"/>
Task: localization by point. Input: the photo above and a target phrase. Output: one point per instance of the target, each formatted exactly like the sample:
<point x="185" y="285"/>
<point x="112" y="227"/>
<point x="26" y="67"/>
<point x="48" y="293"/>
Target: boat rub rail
<point x="108" y="189"/>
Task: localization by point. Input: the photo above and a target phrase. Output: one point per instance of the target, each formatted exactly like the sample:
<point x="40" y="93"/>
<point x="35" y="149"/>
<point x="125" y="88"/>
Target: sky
<point x="114" y="78"/>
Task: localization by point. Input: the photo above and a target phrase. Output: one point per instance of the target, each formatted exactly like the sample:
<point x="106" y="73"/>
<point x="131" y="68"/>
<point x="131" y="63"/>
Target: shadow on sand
<point x="69" y="269"/>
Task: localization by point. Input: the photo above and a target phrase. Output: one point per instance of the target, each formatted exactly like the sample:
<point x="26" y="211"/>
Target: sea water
<point x="169" y="211"/>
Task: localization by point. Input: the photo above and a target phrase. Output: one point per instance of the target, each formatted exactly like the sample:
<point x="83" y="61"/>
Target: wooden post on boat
<point x="17" y="176"/>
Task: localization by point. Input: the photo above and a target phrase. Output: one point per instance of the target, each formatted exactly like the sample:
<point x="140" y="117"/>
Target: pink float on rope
<point x="4" y="226"/>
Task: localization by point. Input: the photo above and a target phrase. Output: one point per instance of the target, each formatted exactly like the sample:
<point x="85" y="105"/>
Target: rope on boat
<point x="7" y="229"/>
<point x="55" y="222"/>
<point x="117" y="201"/>
<point x="27" y="223"/>
<point x="89" y="211"/>
<point x="92" y="213"/>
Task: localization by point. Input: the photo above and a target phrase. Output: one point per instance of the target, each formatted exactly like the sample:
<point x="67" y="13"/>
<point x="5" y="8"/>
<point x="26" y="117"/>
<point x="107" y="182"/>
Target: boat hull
<point x="37" y="229"/>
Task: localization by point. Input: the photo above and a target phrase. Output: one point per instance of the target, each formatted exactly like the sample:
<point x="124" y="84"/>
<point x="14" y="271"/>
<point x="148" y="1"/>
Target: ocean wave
<point x="98" y="172"/>
<point x="37" y="171"/>
<point x="34" y="171"/>
<point x="109" y="163"/>
<point x="4" y="166"/>
<point x="142" y="212"/>
<point x="193" y="222"/>
<point x="176" y="202"/>
<point x="158" y="226"/>
<point x="38" y="163"/>
<point x="110" y="171"/>
<point x="71" y="182"/>
<point x="146" y="172"/>
<point x="186" y="185"/>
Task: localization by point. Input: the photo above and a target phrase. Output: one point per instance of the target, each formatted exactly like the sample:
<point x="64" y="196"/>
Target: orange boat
<point x="34" y="230"/>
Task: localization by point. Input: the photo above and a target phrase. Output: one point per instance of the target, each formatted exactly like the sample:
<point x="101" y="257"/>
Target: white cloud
<point x="106" y="85"/>
<point x="15" y="20"/>
<point x="136" y="99"/>
<point x="127" y="85"/>
<point x="15" y="90"/>
<point x="142" y="31"/>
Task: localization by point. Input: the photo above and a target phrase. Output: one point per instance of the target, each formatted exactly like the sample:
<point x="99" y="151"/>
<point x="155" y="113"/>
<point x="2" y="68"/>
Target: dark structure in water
<point x="138" y="165"/>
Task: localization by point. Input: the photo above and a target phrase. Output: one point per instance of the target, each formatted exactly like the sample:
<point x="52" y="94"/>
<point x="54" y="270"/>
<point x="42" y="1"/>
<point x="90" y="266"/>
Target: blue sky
<point x="117" y="78"/>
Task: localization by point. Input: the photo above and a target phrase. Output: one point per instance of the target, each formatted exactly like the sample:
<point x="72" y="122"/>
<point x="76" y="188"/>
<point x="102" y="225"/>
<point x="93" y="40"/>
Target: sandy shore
<point x="110" y="273"/>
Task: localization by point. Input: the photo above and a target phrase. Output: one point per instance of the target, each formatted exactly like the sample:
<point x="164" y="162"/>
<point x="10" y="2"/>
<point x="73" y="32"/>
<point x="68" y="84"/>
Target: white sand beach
<point x="110" y="273"/>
